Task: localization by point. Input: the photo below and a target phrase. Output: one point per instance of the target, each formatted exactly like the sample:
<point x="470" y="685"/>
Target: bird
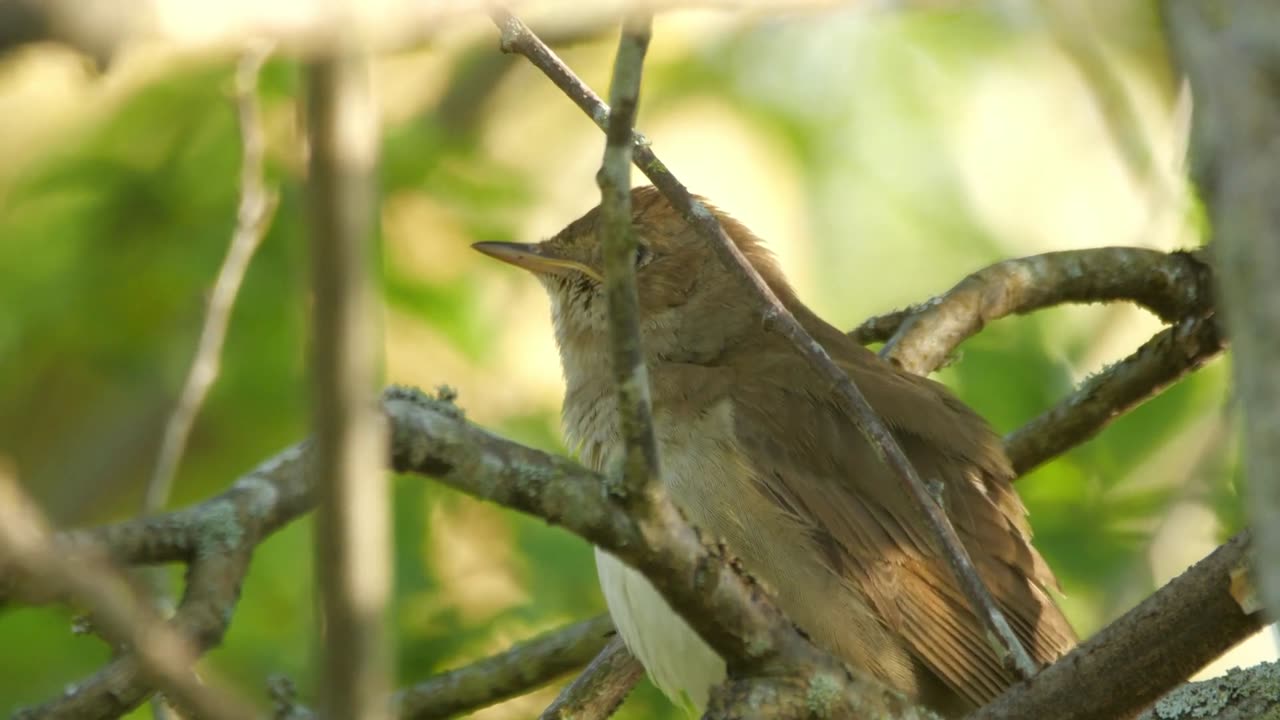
<point x="755" y="451"/>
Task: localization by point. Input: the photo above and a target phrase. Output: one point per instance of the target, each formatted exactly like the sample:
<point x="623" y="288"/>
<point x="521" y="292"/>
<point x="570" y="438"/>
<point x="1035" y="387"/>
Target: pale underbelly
<point x="679" y="663"/>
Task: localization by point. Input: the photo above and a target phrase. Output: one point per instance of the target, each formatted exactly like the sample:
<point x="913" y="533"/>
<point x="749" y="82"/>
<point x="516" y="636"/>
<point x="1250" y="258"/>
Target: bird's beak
<point x="534" y="258"/>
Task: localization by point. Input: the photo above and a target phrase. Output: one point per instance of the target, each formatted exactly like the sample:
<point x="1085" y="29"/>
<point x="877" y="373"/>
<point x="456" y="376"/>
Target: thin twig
<point x="640" y="468"/>
<point x="352" y="535"/>
<point x="252" y="219"/>
<point x="515" y="671"/>
<point x="600" y="689"/>
<point x="1167" y="357"/>
<point x="517" y="37"/>
<point x="122" y="613"/>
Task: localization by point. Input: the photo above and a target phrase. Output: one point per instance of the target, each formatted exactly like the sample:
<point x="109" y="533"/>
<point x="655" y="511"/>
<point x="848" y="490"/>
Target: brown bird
<point x="755" y="451"/>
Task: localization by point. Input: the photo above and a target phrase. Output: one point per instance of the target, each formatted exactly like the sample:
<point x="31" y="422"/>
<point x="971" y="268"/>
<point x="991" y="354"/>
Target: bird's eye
<point x="642" y="256"/>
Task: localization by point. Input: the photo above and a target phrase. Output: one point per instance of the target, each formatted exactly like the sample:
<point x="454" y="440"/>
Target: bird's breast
<point x="702" y="468"/>
<point x="707" y="474"/>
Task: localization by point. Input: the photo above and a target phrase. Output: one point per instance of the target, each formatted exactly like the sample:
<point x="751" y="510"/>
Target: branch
<point x="640" y="469"/>
<point x="216" y="538"/>
<point x="611" y="675"/>
<point x="352" y="534"/>
<point x="600" y="689"/>
<point x="722" y="604"/>
<point x="1239" y="695"/>
<point x="1163" y="360"/>
<point x="516" y="37"/>
<point x="1177" y="287"/>
<point x="1229" y="53"/>
<point x="1171" y="285"/>
<point x="525" y="666"/>
<point x="231" y="524"/>
<point x="120" y="611"/>
<point x="1152" y="648"/>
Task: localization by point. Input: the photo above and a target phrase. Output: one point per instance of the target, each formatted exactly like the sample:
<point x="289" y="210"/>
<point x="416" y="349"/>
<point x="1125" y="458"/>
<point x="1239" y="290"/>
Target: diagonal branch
<point x="1161" y="361"/>
<point x="513" y="672"/>
<point x="1169" y="636"/>
<point x="640" y="463"/>
<point x="640" y="468"/>
<point x="601" y="688"/>
<point x="516" y="37"/>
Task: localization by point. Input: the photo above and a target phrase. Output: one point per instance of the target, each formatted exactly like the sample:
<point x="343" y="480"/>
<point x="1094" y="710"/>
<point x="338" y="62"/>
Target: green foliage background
<point x="860" y="144"/>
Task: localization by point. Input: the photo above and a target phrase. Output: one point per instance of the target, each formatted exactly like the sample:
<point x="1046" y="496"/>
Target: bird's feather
<point x="856" y="504"/>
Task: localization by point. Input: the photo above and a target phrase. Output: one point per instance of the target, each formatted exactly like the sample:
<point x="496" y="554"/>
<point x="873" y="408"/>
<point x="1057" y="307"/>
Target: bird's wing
<point x="826" y="471"/>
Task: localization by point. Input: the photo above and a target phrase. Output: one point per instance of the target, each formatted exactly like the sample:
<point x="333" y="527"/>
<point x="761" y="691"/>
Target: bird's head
<point x="691" y="307"/>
